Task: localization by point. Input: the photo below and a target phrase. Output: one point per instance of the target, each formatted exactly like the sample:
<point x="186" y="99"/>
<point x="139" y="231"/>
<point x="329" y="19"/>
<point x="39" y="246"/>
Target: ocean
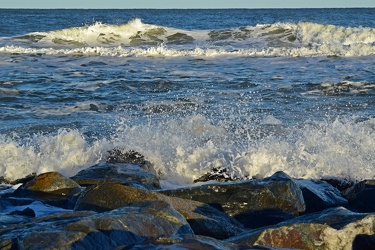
<point x="251" y="91"/>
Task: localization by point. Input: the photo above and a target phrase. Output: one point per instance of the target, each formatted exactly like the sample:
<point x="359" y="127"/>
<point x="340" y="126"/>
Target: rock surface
<point x="361" y="196"/>
<point x="253" y="203"/>
<point x="203" y="219"/>
<point x="186" y="242"/>
<point x="141" y="175"/>
<point x="124" y="211"/>
<point x="87" y="230"/>
<point x="334" y="228"/>
<point x="52" y="188"/>
<point x="320" y="195"/>
<point x="50" y="182"/>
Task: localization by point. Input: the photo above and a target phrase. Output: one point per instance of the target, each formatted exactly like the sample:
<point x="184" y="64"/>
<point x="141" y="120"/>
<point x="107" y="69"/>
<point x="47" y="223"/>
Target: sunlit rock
<point x="334" y="228"/>
<point x="52" y="188"/>
<point x="50" y="182"/>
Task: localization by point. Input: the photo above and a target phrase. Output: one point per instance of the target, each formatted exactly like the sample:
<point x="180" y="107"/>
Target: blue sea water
<point x="252" y="91"/>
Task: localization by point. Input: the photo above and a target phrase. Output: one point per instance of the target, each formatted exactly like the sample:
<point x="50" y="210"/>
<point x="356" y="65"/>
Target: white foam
<point x="186" y="148"/>
<point x="66" y="152"/>
<point x="279" y="39"/>
<point x="8" y="91"/>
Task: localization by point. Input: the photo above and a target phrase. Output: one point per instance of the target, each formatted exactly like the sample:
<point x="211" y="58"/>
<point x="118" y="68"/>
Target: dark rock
<point x="253" y="203"/>
<point x="361" y="196"/>
<point x="364" y="242"/>
<point x="334" y="228"/>
<point x="124" y="227"/>
<point x="26" y="212"/>
<point x="117" y="155"/>
<point x="51" y="188"/>
<point x="17" y="181"/>
<point x="131" y="174"/>
<point x="202" y="218"/>
<point x="340" y="184"/>
<point x="319" y="195"/>
<point x="217" y="174"/>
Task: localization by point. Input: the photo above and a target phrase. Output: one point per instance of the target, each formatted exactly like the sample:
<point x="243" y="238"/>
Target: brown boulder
<point x="334" y="228"/>
<point x="50" y="182"/>
<point x="52" y="188"/>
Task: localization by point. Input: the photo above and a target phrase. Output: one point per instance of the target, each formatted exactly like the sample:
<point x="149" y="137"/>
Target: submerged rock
<point x="334" y="228"/>
<point x="122" y="227"/>
<point x="253" y="203"/>
<point x="203" y="219"/>
<point x="319" y="195"/>
<point x="141" y="175"/>
<point x="361" y="196"/>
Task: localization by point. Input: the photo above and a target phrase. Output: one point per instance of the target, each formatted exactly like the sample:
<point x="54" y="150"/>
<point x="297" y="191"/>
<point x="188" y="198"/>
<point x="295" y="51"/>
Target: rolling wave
<point x="139" y="39"/>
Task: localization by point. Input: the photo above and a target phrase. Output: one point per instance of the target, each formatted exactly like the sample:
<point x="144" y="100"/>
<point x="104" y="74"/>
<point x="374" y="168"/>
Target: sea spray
<point x="67" y="152"/>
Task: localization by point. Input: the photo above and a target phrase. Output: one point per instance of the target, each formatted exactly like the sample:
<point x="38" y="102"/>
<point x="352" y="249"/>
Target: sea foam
<point x="184" y="149"/>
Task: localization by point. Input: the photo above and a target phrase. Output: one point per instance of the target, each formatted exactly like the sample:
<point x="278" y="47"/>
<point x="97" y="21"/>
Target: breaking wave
<point x="139" y="39"/>
<point x="184" y="149"/>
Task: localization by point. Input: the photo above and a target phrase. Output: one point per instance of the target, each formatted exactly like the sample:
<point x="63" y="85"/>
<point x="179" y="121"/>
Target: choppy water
<point x="254" y="91"/>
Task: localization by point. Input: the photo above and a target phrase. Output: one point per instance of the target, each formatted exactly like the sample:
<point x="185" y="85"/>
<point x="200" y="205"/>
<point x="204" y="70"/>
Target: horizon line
<point x="193" y="8"/>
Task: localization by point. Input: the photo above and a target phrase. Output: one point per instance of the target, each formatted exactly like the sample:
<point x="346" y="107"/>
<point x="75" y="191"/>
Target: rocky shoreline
<point x="119" y="204"/>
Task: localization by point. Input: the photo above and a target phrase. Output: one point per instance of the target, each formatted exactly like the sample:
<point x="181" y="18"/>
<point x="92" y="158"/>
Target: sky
<point x="166" y="4"/>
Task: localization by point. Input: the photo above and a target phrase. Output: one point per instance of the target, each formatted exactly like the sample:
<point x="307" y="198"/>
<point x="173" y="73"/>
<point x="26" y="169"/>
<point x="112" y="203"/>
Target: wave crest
<point x="136" y="38"/>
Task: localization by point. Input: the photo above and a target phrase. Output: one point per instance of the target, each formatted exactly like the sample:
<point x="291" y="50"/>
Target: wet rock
<point x="118" y="155"/>
<point x="52" y="188"/>
<point x="217" y="174"/>
<point x="141" y="175"/>
<point x="319" y="195"/>
<point x="203" y="218"/>
<point x="50" y="182"/>
<point x="253" y="203"/>
<point x="17" y="181"/>
<point x="361" y="196"/>
<point x="334" y="228"/>
<point x="186" y="242"/>
<point x="340" y="184"/>
<point x="121" y="227"/>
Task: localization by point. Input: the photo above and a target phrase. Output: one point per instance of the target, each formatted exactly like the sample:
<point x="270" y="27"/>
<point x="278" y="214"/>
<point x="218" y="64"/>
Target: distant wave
<point x="139" y="39"/>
